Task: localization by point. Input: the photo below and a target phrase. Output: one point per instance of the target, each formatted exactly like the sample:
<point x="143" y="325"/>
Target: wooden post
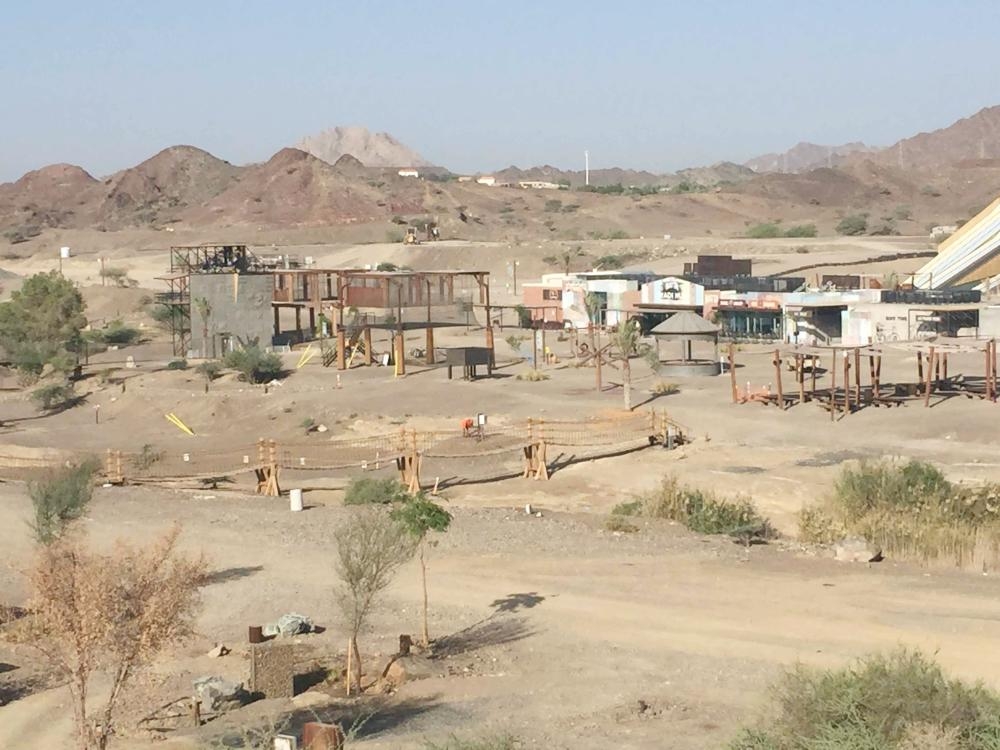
<point x="944" y="365"/>
<point x="430" y="346"/>
<point x="847" y="384"/>
<point x="988" y="393"/>
<point x="871" y="377"/>
<point x="369" y="355"/>
<point x="920" y="366"/>
<point x="118" y="468"/>
<point x="597" y="361"/>
<point x="800" y="370"/>
<point x="833" y="387"/>
<point x="399" y="356"/>
<point x="812" y="373"/>
<point x="777" y="378"/>
<point x="732" y="370"/>
<point x="993" y="369"/>
<point x="196" y="712"/>
<point x="341" y="349"/>
<point x="857" y="378"/>
<point x="930" y="373"/>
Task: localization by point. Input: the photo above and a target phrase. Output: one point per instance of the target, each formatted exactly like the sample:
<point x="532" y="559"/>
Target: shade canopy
<point x="686" y="325"/>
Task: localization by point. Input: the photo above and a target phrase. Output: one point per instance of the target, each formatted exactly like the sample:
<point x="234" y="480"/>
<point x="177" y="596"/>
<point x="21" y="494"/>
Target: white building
<point x="408" y="173"/>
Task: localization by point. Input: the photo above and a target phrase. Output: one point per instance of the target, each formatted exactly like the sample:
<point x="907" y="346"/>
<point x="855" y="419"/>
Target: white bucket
<point x="295" y="499"/>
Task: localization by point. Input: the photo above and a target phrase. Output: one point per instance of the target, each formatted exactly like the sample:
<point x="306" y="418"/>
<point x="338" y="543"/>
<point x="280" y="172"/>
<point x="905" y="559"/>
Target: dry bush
<point x="491" y="742"/>
<point x="910" y="511"/>
<point x="371" y="547"/>
<point x="532" y="376"/>
<point x="662" y="388"/>
<point x="902" y="700"/>
<point x="620" y="523"/>
<point x="108" y="612"/>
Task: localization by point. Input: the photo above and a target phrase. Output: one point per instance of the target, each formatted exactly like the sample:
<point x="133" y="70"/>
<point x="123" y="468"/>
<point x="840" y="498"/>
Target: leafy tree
<point x="41" y="324"/>
<point x="110" y="613"/>
<point x="256" y="365"/>
<point x="852" y="226"/>
<point x="60" y="498"/>
<point x="371" y="547"/>
<point x="419" y="516"/>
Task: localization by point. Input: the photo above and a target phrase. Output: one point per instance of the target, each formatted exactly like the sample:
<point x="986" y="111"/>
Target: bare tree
<point x="370" y="549"/>
<point x="113" y="613"/>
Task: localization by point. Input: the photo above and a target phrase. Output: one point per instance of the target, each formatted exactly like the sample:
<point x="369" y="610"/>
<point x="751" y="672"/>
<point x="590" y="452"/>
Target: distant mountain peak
<point x="804" y="156"/>
<point x="371" y="149"/>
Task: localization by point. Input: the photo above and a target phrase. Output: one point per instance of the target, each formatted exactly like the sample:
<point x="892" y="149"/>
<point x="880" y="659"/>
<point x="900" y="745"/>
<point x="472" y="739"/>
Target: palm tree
<point x="204" y="312"/>
<point x="626" y="341"/>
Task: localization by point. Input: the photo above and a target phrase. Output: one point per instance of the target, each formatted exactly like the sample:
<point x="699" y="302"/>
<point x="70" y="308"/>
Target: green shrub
<point x="59" y="498"/>
<point x="119" y="334"/>
<point x="53" y="396"/>
<point x="879" y="703"/>
<point x="764" y="231"/>
<point x="663" y="388"/>
<point x="254" y="364"/>
<point x="610" y="262"/>
<point x="368" y="491"/>
<point x="41" y="323"/>
<point x="553" y="205"/>
<point x="801" y="230"/>
<point x="628" y="508"/>
<point x="852" y="226"/>
<point x="177" y="364"/>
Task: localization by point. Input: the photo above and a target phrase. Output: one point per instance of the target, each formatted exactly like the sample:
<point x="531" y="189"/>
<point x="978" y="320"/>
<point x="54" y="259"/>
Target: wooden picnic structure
<point x="855" y="375"/>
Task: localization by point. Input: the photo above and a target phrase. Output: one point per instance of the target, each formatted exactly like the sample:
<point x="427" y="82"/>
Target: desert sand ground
<point x="561" y="629"/>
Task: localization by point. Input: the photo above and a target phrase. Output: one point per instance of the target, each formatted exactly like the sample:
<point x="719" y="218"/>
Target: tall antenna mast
<point x="586" y="167"/>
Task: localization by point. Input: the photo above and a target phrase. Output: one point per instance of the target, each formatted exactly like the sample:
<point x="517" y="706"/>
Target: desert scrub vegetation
<point x="701" y="511"/>
<point x="254" y="364"/>
<point x="852" y="226"/>
<point x="910" y="511"/>
<point x="369" y="491"/>
<point x="532" y="376"/>
<point x="59" y="498"/>
<point x="54" y="396"/>
<point x="490" y="742"/>
<point x="899" y="701"/>
<point x="663" y="388"/>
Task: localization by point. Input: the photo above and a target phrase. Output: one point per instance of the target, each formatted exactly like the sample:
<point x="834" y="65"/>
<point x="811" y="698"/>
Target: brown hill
<point x="972" y="138"/>
<point x="160" y="188"/>
<point x="59" y="195"/>
<point x="803" y="157"/>
<point x="371" y="149"/>
<point x="294" y="188"/>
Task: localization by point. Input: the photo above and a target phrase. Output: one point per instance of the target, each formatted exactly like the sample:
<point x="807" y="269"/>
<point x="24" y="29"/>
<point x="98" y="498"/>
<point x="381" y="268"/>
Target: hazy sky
<point x="478" y="85"/>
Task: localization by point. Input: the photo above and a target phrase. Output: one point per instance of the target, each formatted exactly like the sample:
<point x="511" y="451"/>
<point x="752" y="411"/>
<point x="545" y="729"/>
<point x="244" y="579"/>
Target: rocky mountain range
<point x="941" y="176"/>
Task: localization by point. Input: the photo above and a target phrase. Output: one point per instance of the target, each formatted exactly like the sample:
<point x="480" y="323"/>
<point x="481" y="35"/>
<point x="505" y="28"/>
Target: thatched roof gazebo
<point x="688" y="327"/>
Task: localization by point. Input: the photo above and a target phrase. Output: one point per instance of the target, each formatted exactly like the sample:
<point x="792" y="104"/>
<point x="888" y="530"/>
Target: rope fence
<point x="500" y="449"/>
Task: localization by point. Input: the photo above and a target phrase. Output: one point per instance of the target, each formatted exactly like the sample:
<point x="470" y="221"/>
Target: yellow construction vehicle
<point x="411" y="236"/>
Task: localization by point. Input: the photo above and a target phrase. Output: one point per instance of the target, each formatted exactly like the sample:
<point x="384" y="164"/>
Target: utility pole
<point x="586" y="167"/>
